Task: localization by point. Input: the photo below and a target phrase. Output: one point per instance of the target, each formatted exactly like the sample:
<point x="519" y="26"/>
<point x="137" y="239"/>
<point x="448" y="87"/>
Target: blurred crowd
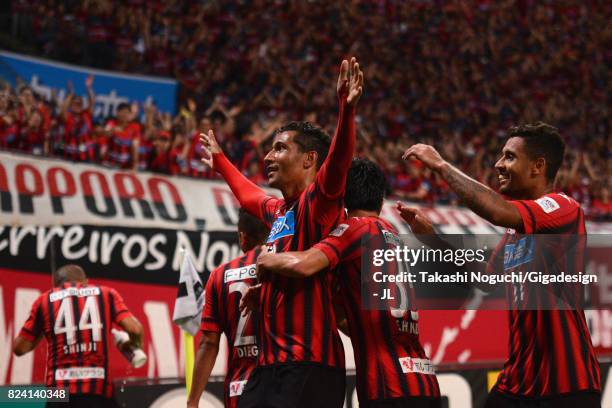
<point x="455" y="74"/>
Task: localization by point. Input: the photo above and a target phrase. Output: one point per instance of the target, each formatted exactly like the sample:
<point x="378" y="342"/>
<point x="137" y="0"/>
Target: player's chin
<point x="273" y="180"/>
<point x="505" y="187"/>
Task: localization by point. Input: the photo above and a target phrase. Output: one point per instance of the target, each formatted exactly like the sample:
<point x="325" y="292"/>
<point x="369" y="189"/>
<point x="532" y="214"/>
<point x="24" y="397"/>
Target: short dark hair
<point x="365" y="186"/>
<point x="123" y="105"/>
<point x="542" y="140"/>
<point x="68" y="273"/>
<point x="253" y="227"/>
<point x="309" y="137"/>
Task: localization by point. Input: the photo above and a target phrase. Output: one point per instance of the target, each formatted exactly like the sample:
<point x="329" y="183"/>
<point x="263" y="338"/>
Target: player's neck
<point x="363" y="213"/>
<point x="294" y="189"/>
<point x="536" y="193"/>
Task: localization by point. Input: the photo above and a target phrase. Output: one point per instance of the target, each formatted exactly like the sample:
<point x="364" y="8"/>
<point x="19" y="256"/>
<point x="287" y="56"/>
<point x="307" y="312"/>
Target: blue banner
<point x="111" y="88"/>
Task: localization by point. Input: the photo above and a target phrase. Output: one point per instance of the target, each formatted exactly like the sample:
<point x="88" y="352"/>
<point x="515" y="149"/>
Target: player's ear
<point x="242" y="239"/>
<point x="310" y="159"/>
<point x="539" y="166"/>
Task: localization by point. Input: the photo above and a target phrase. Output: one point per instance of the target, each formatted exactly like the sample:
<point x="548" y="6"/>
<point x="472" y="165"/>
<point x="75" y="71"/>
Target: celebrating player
<point x="75" y="318"/>
<point x="392" y="368"/>
<point x="301" y="360"/>
<point x="224" y="288"/>
<point x="551" y="362"/>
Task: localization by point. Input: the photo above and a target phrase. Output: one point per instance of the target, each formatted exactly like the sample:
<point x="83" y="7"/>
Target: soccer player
<point x="392" y="367"/>
<point x="224" y="289"/>
<point x="551" y="362"/>
<point x="301" y="359"/>
<point x="75" y="318"/>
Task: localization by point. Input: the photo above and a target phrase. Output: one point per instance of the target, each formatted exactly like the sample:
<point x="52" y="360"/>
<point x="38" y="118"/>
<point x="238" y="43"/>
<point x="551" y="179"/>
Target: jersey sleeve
<point x="550" y="212"/>
<point x="250" y="196"/>
<point x="342" y="243"/>
<point x="331" y="177"/>
<point x="211" y="319"/>
<point x="33" y="326"/>
<point x="119" y="310"/>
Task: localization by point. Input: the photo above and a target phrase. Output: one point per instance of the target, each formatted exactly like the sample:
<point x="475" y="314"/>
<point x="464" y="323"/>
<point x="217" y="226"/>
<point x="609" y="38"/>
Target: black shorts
<point x="294" y="385"/>
<point x="574" y="400"/>
<point x="412" y="402"/>
<point x="85" y="401"/>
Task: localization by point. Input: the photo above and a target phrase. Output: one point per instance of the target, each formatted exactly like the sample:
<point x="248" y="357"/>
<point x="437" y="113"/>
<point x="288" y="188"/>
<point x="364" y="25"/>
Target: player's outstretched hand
<point x="425" y="153"/>
<point x="350" y="82"/>
<point x="210" y="146"/>
<point x="419" y="223"/>
<point x="250" y="300"/>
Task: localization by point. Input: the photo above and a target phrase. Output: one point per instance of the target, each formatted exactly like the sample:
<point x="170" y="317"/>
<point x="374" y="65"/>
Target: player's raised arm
<point x="251" y="197"/>
<point x="479" y="198"/>
<point x="333" y="172"/>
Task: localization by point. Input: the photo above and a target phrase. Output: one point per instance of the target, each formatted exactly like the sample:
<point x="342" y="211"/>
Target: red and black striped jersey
<point x="550" y="351"/>
<point x="78" y="142"/>
<point x="121" y="145"/>
<point x="224" y="289"/>
<point x="390" y="360"/>
<point x="298" y="323"/>
<point x="76" y="321"/>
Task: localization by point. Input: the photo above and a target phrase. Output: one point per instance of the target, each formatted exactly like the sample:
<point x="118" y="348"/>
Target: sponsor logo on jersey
<point x="236" y="388"/>
<point x="417" y="365"/>
<point x="80" y="292"/>
<point x="391" y="238"/>
<point x="242" y="273"/>
<point x="283" y="227"/>
<point x="340" y="229"/>
<point x="519" y="253"/>
<point x="548" y="204"/>
<point x="79" y="373"/>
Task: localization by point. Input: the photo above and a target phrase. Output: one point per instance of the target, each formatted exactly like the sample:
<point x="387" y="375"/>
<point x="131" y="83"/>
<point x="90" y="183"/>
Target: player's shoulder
<point x="240" y="268"/>
<point x="103" y="289"/>
<point x="356" y="225"/>
<point x="556" y="203"/>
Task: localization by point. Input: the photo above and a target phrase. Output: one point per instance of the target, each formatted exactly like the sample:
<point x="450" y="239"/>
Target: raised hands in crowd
<point x="454" y="78"/>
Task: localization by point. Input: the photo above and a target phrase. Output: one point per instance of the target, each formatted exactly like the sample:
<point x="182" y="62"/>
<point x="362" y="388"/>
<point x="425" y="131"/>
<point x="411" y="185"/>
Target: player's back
<point x="550" y="350"/>
<point x="76" y="321"/>
<point x="224" y="289"/>
<point x="390" y="360"/>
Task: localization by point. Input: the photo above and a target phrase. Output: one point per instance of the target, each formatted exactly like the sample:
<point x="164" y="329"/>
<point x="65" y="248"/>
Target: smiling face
<point x="517" y="172"/>
<point x="286" y="162"/>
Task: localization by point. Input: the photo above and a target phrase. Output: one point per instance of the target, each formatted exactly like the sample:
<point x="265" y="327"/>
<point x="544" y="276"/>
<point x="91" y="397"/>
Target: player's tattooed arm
<point x="293" y="264"/>
<point x="479" y="198"/>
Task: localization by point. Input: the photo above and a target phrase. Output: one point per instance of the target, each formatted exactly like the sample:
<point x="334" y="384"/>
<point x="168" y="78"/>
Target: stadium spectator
<point x="454" y="75"/>
<point x="125" y="138"/>
<point x="77" y="125"/>
<point x="78" y="354"/>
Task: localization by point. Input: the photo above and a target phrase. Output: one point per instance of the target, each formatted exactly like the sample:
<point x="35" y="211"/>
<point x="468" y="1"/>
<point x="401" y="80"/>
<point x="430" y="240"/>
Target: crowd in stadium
<point x="456" y="79"/>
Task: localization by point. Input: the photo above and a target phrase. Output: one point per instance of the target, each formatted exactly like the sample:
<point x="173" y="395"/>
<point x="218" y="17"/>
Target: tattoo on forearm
<point x="480" y="198"/>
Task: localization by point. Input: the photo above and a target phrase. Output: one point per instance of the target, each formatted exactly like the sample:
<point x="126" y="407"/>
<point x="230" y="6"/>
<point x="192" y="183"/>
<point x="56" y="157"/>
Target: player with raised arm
<point x="224" y="289"/>
<point x="76" y="318"/>
<point x="552" y="362"/>
<point x="301" y="360"/>
<point x="392" y="367"/>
